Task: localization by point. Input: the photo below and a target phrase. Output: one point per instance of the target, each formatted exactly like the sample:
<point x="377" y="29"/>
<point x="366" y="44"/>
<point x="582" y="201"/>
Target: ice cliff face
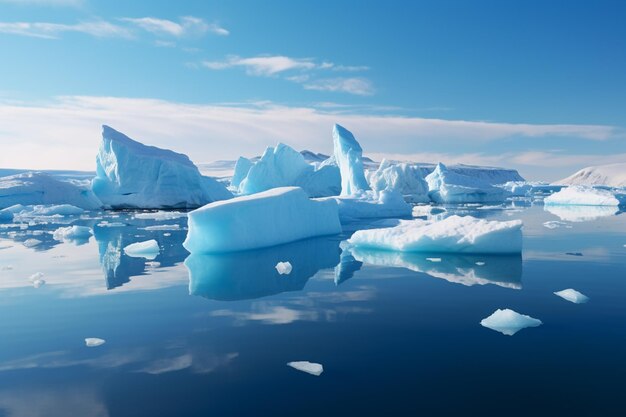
<point x="349" y="157"/>
<point x="403" y="178"/>
<point x="130" y="174"/>
<point x="446" y="186"/>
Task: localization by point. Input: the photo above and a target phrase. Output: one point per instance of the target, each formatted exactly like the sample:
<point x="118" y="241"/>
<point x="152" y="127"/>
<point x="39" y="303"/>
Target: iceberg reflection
<point x="581" y="213"/>
<point x="252" y="274"/>
<point x="501" y="270"/>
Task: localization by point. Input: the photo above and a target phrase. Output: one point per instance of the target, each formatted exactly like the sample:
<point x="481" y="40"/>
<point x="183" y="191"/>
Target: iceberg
<point x="148" y="249"/>
<point x="132" y="175"/>
<point x="283" y="166"/>
<point x="242" y="167"/>
<point x="269" y="218"/>
<point x="449" y="187"/>
<point x="586" y="196"/>
<point x="36" y="188"/>
<point x="572" y="296"/>
<point x="284" y="268"/>
<point x="454" y="234"/>
<point x="509" y="322"/>
<point x="490" y="175"/>
<point x="308" y="367"/>
<point x="94" y="342"/>
<point x="403" y="178"/>
<point x="72" y="233"/>
<point x="349" y="157"/>
<point x="371" y="205"/>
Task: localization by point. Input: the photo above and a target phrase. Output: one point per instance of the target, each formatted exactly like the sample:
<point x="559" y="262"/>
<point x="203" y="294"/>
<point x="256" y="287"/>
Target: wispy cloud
<point x="358" y="86"/>
<point x="97" y="28"/>
<point x="186" y="26"/>
<point x="262" y="65"/>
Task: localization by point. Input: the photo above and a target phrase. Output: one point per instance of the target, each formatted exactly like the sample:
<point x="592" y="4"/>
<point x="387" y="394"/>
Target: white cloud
<point x="39" y="136"/>
<point x="358" y="86"/>
<point x="97" y="28"/>
<point x="187" y="26"/>
<point x="262" y="65"/>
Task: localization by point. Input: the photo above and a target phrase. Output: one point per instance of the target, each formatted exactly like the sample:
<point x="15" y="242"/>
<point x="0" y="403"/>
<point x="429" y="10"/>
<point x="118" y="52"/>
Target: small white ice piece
<point x="308" y="367"/>
<point x="434" y="259"/>
<point x="284" y="268"/>
<point x="31" y="243"/>
<point x="573" y="296"/>
<point x="94" y="342"/>
<point x="480" y="263"/>
<point x="509" y="322"/>
<point x="148" y="249"/>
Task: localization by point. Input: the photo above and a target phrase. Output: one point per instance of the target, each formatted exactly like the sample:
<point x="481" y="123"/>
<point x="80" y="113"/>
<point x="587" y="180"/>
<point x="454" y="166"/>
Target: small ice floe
<point x="308" y="367"/>
<point x="31" y="243"/>
<point x="162" y="227"/>
<point x="480" y="263"/>
<point x="509" y="322"/>
<point x="148" y="249"/>
<point x="572" y="296"/>
<point x="105" y="223"/>
<point x="94" y="342"/>
<point x="574" y="253"/>
<point x="284" y="268"/>
<point x="160" y="215"/>
<point x="434" y="259"/>
<point x="167" y="234"/>
<point x="72" y="233"/>
<point x="554" y="224"/>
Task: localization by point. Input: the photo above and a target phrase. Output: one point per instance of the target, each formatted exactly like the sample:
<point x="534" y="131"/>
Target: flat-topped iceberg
<point x="587" y="196"/>
<point x="454" y="234"/>
<point x="446" y="186"/>
<point x="273" y="217"/>
<point x="509" y="322"/>
<point x="283" y="166"/>
<point x="404" y="178"/>
<point x="132" y="175"/>
<point x="573" y="296"/>
<point x="349" y="157"/>
<point x="36" y="188"/>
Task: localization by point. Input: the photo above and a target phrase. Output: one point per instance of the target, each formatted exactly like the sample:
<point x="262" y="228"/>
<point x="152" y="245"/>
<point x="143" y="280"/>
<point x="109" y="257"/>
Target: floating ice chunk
<point x="161" y="215"/>
<point x="162" y="227"/>
<point x="454" y="234"/>
<point x="446" y="186"/>
<point x="72" y="233"/>
<point x="31" y="243"/>
<point x="105" y="223"/>
<point x="403" y="178"/>
<point x="555" y="224"/>
<point x="349" y="157"/>
<point x="573" y="296"/>
<point x="480" y="263"/>
<point x="284" y="268"/>
<point x="36" y="188"/>
<point x="586" y="196"/>
<point x="167" y="234"/>
<point x="148" y="249"/>
<point x="371" y="204"/>
<point x="130" y="174"/>
<point x="308" y="367"/>
<point x="94" y="342"/>
<point x="273" y="217"/>
<point x="433" y="259"/>
<point x="509" y="322"/>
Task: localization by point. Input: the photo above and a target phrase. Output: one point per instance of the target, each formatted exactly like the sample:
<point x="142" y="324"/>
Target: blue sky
<point x="536" y="85"/>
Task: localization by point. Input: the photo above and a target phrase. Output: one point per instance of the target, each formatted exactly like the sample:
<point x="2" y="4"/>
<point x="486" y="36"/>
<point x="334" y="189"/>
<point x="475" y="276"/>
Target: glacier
<point x="587" y="196"/>
<point x="349" y="157"/>
<point x="132" y="175"/>
<point x="611" y="175"/>
<point x="453" y="234"/>
<point x="37" y="188"/>
<point x="448" y="187"/>
<point x="404" y="178"/>
<point x="509" y="322"/>
<point x="269" y="218"/>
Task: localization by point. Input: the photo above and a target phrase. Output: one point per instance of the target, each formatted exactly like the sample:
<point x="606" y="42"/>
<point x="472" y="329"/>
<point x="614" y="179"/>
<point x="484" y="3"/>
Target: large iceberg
<point x="612" y="175"/>
<point x="273" y="217"/>
<point x="587" y="196"/>
<point x="130" y="174"/>
<point x="454" y="234"/>
<point x="283" y="166"/>
<point x="446" y="186"/>
<point x="242" y="167"/>
<point x="401" y="177"/>
<point x="349" y="157"/>
<point x="36" y="188"/>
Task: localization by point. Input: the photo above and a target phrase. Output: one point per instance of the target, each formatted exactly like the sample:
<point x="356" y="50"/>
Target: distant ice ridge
<point x="269" y="218"/>
<point x="403" y="178"/>
<point x="454" y="234"/>
<point x="36" y="188"/>
<point x="509" y="322"/>
<point x="612" y="175"/>
<point x="446" y="186"/>
<point x="283" y="166"/>
<point x="587" y="196"/>
<point x="132" y="175"/>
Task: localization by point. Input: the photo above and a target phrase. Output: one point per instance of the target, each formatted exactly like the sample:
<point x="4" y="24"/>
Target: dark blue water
<point x="397" y="335"/>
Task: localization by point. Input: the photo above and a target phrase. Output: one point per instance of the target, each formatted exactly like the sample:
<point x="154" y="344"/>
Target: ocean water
<point x="397" y="334"/>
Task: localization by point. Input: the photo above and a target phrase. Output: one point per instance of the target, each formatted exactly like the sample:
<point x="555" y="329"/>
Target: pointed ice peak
<point x="343" y="135"/>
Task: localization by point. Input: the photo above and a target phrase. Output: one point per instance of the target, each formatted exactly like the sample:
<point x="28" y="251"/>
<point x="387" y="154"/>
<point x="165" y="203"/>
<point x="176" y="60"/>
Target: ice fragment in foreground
<point x="283" y="268"/>
<point x="509" y="322"/>
<point x="573" y="296"/>
<point x="31" y="243"/>
<point x="94" y="342"/>
<point x="72" y="233"/>
<point x="148" y="249"/>
<point x="308" y="367"/>
<point x="434" y="259"/>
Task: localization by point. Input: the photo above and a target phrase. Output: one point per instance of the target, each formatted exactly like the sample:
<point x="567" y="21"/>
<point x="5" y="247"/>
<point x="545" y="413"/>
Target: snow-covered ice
<point x="148" y="249"/>
<point x="130" y="174"/>
<point x="401" y="177"/>
<point x="37" y="188"/>
<point x="160" y="215"/>
<point x="308" y="367"/>
<point x="349" y="157"/>
<point x="586" y="196"/>
<point x="31" y="243"/>
<point x="555" y="224"/>
<point x="509" y="322"/>
<point x="371" y="204"/>
<point x="572" y="296"/>
<point x="72" y="233"/>
<point x="284" y="268"/>
<point x="454" y="234"/>
<point x="611" y="175"/>
<point x="273" y="217"/>
<point x="446" y="186"/>
<point x="242" y="167"/>
<point x="94" y="341"/>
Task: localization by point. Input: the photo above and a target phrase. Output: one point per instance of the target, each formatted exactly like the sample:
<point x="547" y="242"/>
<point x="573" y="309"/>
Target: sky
<point x="539" y="86"/>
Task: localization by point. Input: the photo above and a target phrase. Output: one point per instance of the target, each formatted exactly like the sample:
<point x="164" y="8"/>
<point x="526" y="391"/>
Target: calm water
<point x="397" y="335"/>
